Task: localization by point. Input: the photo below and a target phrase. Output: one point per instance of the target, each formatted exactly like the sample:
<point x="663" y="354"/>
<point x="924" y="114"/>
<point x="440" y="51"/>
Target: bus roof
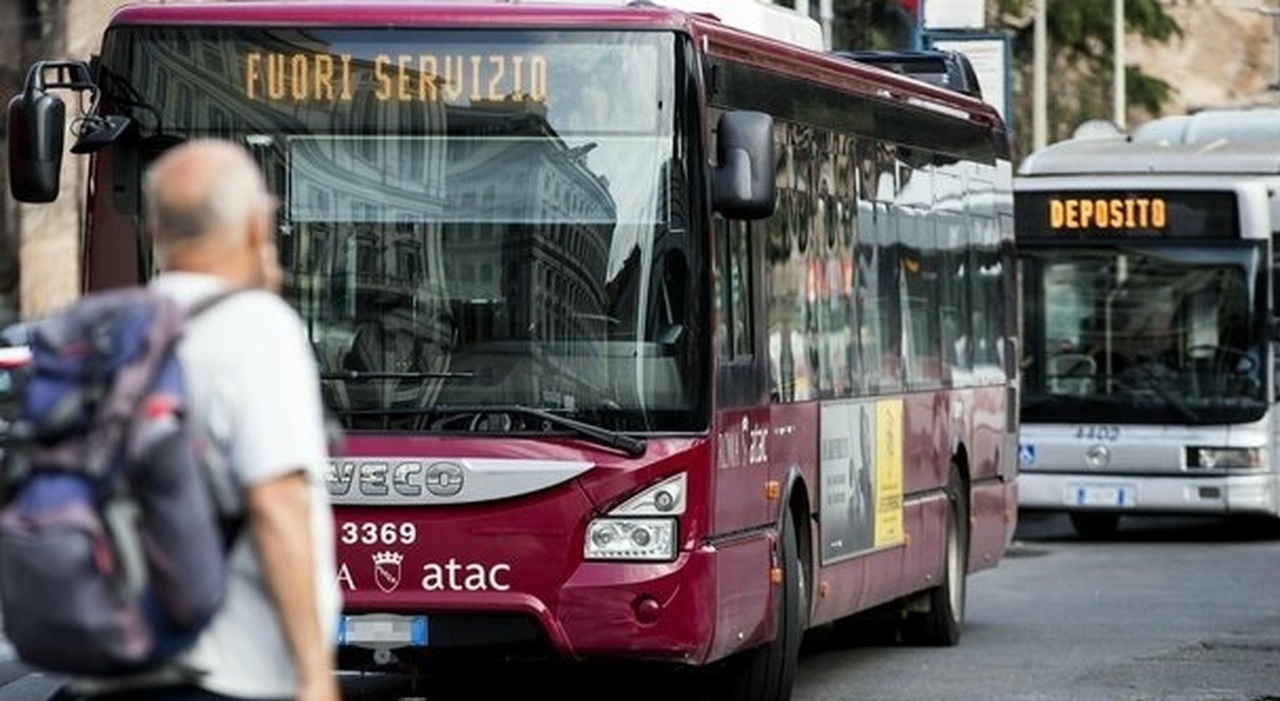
<point x="775" y="22"/>
<point x="393" y="13"/>
<point x="1122" y="155"/>
<point x="1253" y="125"/>
<point x="749" y="30"/>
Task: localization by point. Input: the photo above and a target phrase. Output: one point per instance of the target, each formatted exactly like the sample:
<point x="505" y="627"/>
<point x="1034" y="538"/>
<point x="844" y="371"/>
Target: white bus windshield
<point x="1159" y="333"/>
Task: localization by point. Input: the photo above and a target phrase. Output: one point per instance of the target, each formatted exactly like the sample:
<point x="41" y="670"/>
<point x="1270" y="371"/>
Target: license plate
<point x="382" y="630"/>
<point x="1101" y="495"/>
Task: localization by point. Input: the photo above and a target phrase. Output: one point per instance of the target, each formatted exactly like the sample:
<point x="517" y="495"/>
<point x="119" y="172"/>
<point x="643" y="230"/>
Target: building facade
<point x="40" y="244"/>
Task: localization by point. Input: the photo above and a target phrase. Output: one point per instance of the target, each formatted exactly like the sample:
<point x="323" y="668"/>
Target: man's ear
<point x="259" y="230"/>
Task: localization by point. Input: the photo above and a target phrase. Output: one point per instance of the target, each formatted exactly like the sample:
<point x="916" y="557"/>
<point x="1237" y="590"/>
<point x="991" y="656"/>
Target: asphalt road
<point x="1167" y="610"/>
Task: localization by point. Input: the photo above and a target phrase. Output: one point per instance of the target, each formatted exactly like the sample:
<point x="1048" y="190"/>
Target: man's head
<point x="209" y="211"/>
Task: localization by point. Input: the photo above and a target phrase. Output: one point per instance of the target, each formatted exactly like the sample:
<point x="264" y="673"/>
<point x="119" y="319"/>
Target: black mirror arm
<point x="67" y="74"/>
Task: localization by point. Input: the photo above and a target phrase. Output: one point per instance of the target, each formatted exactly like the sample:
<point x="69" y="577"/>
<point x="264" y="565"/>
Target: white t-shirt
<point x="253" y="383"/>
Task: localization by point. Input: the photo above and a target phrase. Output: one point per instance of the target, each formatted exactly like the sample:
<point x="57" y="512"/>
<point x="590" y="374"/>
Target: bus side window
<point x="738" y="384"/>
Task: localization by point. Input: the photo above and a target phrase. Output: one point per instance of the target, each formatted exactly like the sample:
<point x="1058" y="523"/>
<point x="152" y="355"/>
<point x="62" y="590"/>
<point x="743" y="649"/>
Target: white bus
<point x="1148" y="320"/>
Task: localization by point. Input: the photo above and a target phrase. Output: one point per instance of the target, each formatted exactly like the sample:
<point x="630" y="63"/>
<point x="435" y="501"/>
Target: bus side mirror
<point x="36" y="123"/>
<point x="743" y="182"/>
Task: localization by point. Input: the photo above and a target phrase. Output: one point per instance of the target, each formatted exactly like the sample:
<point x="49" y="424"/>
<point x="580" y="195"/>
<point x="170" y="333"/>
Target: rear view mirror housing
<point x="744" y="184"/>
<point x="37" y="125"/>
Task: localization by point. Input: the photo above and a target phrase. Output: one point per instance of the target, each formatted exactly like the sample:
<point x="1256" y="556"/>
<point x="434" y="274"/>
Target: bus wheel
<point x="767" y="673"/>
<point x="1095" y="524"/>
<point x="942" y="619"/>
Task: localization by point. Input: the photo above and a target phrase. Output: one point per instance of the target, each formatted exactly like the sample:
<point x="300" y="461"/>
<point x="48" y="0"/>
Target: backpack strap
<point x="227" y="498"/>
<point x="210" y="301"/>
<point x="132" y="382"/>
<point x="121" y="510"/>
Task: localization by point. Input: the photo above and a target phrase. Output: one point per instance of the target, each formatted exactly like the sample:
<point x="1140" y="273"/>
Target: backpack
<point x="117" y="515"/>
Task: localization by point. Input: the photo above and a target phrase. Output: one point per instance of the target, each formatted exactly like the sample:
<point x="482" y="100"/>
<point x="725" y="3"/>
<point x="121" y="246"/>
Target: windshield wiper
<point x="630" y="445"/>
<point x="358" y="375"/>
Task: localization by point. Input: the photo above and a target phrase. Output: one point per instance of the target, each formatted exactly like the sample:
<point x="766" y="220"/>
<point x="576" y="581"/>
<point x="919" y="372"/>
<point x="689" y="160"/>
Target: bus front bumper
<point x="654" y="611"/>
<point x="1148" y="494"/>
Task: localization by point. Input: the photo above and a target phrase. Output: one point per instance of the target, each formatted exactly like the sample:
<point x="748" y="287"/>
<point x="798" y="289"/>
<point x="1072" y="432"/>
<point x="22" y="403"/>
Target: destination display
<point x="1112" y="214"/>
<point x="453" y="78"/>
<point x="402" y="82"/>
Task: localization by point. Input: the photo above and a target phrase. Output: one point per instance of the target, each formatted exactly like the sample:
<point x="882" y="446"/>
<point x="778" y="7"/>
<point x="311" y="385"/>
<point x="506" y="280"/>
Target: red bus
<point x="653" y="338"/>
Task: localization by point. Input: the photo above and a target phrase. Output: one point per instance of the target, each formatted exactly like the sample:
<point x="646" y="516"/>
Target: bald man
<point x="254" y="390"/>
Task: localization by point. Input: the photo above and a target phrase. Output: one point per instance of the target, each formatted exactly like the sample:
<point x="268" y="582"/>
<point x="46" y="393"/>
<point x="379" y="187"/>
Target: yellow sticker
<point x="889" y="528"/>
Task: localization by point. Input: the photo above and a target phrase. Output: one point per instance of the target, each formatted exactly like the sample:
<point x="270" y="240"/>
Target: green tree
<point x="1081" y="66"/>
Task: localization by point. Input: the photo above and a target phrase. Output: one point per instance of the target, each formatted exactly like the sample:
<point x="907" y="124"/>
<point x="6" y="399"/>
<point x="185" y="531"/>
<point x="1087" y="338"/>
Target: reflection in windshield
<point x="1157" y="334"/>
<point x="468" y="218"/>
<point x="494" y="265"/>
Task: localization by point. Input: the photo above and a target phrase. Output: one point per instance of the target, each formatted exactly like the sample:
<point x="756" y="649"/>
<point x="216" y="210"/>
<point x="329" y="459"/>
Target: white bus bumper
<point x="1229" y="494"/>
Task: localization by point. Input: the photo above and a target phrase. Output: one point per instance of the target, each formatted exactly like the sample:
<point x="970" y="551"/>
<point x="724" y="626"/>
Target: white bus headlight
<point x="643" y="527"/>
<point x="1207" y="458"/>
<point x="631" y="539"/>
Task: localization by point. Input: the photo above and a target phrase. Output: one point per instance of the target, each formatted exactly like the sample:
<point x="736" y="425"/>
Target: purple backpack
<point x="117" y="517"/>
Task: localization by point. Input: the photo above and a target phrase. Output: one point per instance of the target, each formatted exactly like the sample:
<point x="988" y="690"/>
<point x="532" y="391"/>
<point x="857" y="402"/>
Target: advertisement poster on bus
<point x="861" y="477"/>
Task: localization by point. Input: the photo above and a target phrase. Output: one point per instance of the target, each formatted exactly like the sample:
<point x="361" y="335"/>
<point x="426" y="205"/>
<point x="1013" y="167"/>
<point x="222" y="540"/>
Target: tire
<point x="942" y="621"/>
<point x="1095" y="525"/>
<point x="767" y="673"/>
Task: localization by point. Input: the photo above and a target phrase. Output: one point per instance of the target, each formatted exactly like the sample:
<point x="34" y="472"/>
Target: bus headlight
<point x="631" y="539"/>
<point x="1208" y="458"/>
<point x="643" y="527"/>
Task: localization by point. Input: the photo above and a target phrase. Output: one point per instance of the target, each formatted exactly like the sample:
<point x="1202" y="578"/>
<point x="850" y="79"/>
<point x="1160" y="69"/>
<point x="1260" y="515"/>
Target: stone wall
<point x="1226" y="57"/>
<point x="47" y="237"/>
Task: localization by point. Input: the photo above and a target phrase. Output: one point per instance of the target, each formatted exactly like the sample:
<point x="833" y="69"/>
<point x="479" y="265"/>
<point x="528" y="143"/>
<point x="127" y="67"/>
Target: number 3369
<point x="368" y="533"/>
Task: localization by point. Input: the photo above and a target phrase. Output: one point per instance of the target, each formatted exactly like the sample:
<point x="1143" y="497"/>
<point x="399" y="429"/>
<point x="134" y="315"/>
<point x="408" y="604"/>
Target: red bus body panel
<point x="535" y="540"/>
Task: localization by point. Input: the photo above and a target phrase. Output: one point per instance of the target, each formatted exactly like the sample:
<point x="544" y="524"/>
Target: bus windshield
<point x="468" y="219"/>
<point x="1144" y="334"/>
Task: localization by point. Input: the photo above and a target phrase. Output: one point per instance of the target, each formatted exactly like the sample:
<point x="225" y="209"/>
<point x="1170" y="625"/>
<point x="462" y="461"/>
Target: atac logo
<point x="386" y="570"/>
